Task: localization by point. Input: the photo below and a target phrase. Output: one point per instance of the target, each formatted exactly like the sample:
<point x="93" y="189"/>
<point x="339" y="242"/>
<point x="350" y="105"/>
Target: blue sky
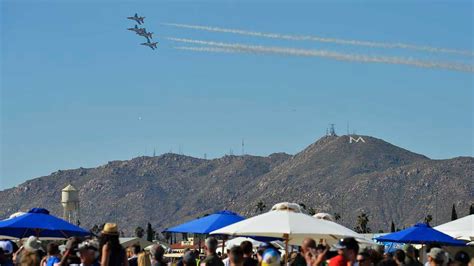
<point x="74" y="81"/>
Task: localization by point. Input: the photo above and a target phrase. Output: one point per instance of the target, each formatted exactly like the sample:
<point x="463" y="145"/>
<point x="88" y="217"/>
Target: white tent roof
<point x="283" y="222"/>
<point x="462" y="228"/>
<point x="129" y="241"/>
<point x="238" y="240"/>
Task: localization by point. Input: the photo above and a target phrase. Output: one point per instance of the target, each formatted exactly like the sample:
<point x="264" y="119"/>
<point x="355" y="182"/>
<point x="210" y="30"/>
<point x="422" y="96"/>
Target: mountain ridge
<point x="333" y="174"/>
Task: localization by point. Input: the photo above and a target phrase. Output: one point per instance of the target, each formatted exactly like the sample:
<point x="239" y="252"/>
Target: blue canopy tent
<point x="207" y="224"/>
<point x="420" y="234"/>
<point x="38" y="222"/>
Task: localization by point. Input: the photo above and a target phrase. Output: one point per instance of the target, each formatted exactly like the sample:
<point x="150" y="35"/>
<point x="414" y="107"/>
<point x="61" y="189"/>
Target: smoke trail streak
<point x="321" y="39"/>
<point x="258" y="49"/>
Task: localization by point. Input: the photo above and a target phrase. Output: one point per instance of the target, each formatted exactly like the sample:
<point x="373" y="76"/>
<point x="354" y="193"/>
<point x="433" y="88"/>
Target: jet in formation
<point x="137" y="30"/>
<point x="142" y="31"/>
<point x="139" y="20"/>
<point x="152" y="45"/>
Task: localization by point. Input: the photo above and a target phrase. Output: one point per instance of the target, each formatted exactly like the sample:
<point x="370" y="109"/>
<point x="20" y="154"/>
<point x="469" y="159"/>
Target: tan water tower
<point x="70" y="202"/>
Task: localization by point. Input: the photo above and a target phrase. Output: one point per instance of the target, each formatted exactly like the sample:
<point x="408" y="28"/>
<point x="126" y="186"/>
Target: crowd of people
<point x="105" y="250"/>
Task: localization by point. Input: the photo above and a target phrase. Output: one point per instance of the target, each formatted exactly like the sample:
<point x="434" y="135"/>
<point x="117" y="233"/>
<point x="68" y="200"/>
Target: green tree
<point x="260" y="207"/>
<point x="428" y="219"/>
<point x="150" y="233"/>
<point x="337" y="216"/>
<point x="95" y="229"/>
<point x="362" y="223"/>
<point x="392" y="227"/>
<point x="471" y="209"/>
<point x="302" y="205"/>
<point x="454" y="214"/>
<point x="311" y="211"/>
<point x="139" y="232"/>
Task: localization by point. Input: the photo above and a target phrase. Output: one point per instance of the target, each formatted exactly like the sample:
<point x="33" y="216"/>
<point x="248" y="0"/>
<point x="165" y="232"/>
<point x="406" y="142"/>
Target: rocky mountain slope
<point x="331" y="175"/>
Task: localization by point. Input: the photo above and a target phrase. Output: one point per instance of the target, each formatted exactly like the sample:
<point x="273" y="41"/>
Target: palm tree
<point x="260" y="207"/>
<point x="428" y="219"/>
<point x="362" y="223"/>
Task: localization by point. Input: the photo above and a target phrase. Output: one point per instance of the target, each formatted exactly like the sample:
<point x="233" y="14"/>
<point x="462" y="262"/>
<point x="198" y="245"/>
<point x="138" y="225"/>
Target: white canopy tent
<point x="286" y="221"/>
<point x="462" y="228"/>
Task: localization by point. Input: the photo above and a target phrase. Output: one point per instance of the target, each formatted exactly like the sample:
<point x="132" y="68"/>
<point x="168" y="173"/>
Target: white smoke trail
<point x="322" y="39"/>
<point x="258" y="49"/>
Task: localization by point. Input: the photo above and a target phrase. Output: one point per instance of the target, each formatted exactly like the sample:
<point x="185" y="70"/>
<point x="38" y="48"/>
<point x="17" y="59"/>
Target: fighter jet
<point x="138" y="30"/>
<point x="152" y="45"/>
<point x="138" y="19"/>
<point x="147" y="35"/>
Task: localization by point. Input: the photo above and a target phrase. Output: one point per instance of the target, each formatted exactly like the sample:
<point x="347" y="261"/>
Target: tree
<point x="168" y="237"/>
<point x="392" y="227"/>
<point x="260" y="207"/>
<point x="150" y="233"/>
<point x="454" y="214"/>
<point x="337" y="216"/>
<point x="471" y="209"/>
<point x="139" y="232"/>
<point x="302" y="205"/>
<point x="428" y="219"/>
<point x="95" y="229"/>
<point x="311" y="211"/>
<point x="362" y="223"/>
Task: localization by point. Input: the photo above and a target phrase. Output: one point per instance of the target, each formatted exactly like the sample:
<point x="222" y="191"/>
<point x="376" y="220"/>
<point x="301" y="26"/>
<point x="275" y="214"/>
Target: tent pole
<point x="286" y="237"/>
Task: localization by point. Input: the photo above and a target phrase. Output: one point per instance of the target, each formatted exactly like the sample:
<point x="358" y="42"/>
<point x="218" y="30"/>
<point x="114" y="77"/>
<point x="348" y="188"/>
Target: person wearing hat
<point x="111" y="252"/>
<point x="436" y="257"/>
<point x="88" y="252"/>
<point x="7" y="252"/>
<point x="348" y="248"/>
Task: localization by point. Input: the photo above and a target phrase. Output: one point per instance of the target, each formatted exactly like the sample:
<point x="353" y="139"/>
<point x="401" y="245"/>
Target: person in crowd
<point x="300" y="258"/>
<point x="348" y="248"/>
<point x="70" y="254"/>
<point x="375" y="256"/>
<point x="31" y="253"/>
<point x="226" y="260"/>
<point x="387" y="262"/>
<point x="53" y="256"/>
<point x="211" y="256"/>
<point x="237" y="255"/>
<point x="410" y="256"/>
<point x="111" y="252"/>
<point x="6" y="258"/>
<point x="135" y="250"/>
<point x="399" y="257"/>
<point x="143" y="259"/>
<point x="198" y="259"/>
<point x="247" y="248"/>
<point x="461" y="258"/>
<point x="89" y="253"/>
<point x="363" y="259"/>
<point x="157" y="253"/>
<point x="436" y="257"/>
<point x="260" y="252"/>
<point x="316" y="256"/>
<point x="189" y="258"/>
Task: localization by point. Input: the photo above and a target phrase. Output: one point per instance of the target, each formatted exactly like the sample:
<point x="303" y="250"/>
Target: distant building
<point x="70" y="202"/>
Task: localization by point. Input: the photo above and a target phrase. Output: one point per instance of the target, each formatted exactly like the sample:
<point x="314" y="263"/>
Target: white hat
<point x="6" y="246"/>
<point x="32" y="244"/>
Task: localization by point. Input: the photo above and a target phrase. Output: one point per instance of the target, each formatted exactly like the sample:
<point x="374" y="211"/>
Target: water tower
<point x="70" y="202"/>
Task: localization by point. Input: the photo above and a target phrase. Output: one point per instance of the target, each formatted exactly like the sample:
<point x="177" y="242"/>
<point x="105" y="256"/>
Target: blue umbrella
<point x="38" y="222"/>
<point x="207" y="224"/>
<point x="420" y="234"/>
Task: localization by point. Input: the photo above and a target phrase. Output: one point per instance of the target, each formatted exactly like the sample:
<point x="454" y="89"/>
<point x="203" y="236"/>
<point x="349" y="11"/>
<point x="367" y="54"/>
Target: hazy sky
<point x="77" y="89"/>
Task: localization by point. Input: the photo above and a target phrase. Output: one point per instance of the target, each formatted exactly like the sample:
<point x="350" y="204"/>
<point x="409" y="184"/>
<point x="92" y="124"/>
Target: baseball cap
<point x="6" y="246"/>
<point x="437" y="254"/>
<point x="347" y="243"/>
